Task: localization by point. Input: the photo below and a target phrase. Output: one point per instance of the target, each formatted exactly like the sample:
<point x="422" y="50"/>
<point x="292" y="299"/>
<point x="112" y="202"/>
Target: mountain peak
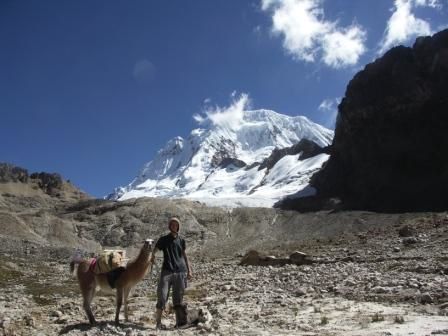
<point x="173" y="146"/>
<point x="220" y="161"/>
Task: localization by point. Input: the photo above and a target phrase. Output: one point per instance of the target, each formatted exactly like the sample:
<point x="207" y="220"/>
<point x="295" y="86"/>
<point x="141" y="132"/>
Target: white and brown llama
<point x="126" y="278"/>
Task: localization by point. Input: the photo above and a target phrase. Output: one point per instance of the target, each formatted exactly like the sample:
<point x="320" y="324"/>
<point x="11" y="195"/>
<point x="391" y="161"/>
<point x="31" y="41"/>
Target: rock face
<point x="306" y="148"/>
<point x="391" y="139"/>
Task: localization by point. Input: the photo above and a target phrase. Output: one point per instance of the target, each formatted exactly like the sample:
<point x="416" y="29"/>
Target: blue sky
<point x="92" y="89"/>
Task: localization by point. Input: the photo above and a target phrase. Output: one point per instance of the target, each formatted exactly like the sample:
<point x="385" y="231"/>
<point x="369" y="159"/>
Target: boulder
<point x="250" y="258"/>
<point x="254" y="258"/>
<point x="406" y="231"/>
<point x="409" y="241"/>
<point x="298" y="258"/>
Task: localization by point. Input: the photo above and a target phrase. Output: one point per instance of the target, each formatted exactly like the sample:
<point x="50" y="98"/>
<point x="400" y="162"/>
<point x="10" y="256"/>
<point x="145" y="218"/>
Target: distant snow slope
<point x="219" y="164"/>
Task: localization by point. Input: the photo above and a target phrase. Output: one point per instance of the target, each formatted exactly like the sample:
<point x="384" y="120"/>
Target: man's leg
<point x="159" y="318"/>
<point x="162" y="296"/>
<point x="178" y="283"/>
<point x="178" y="295"/>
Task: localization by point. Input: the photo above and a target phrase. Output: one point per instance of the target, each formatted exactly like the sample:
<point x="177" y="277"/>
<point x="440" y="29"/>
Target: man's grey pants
<point x="167" y="280"/>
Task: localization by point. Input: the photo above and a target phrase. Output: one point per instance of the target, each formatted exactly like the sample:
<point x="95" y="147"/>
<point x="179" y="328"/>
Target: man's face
<point x="174" y="226"/>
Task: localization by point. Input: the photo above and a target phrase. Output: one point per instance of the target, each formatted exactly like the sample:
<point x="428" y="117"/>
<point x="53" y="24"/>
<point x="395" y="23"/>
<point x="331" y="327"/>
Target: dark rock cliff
<point x="306" y="147"/>
<point x="391" y="141"/>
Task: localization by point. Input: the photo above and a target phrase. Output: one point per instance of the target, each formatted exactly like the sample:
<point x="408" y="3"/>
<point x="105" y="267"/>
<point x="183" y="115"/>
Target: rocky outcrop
<point x="11" y="173"/>
<point x="306" y="147"/>
<point x="224" y="151"/>
<point x="391" y="139"/>
<point x="49" y="183"/>
<point x="232" y="161"/>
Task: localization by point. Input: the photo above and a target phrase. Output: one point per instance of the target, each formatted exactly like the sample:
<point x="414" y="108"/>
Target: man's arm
<point x="187" y="262"/>
<point x="157" y="247"/>
<point x="153" y="255"/>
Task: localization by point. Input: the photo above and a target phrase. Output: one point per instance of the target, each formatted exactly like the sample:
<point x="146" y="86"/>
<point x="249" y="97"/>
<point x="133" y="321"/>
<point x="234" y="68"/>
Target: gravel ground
<point x="374" y="283"/>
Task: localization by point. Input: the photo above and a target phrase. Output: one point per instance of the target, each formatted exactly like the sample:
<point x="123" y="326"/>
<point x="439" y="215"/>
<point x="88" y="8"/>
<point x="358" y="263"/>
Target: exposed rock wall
<point x="306" y="147"/>
<point x="391" y="141"/>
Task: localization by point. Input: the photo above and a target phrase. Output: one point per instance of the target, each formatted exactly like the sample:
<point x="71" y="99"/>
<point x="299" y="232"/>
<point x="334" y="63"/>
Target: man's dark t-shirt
<point x="172" y="249"/>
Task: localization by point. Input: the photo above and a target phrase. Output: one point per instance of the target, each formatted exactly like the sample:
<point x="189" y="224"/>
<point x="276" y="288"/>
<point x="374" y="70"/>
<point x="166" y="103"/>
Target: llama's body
<point x="133" y="273"/>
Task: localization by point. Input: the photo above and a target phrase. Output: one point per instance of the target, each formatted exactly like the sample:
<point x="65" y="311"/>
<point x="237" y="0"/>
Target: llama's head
<point x="148" y="244"/>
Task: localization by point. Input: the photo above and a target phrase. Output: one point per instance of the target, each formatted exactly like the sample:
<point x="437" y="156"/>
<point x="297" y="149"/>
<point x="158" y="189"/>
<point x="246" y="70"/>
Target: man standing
<point x="175" y="269"/>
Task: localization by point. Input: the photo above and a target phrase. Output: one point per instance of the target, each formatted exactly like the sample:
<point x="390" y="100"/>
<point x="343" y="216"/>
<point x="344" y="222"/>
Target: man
<point x="175" y="269"/>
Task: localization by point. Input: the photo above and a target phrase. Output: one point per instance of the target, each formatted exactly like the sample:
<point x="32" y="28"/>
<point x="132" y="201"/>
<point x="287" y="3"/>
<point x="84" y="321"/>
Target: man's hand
<point x="189" y="275"/>
<point x="153" y="255"/>
<point x="151" y="260"/>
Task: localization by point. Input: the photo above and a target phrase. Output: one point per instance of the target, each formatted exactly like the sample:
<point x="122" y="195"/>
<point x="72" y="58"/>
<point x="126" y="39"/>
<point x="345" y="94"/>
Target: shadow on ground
<point x="99" y="325"/>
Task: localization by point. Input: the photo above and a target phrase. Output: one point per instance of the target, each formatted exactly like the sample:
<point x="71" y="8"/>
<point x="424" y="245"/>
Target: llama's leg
<point x="88" y="295"/>
<point x="119" y="302"/>
<point x="127" y="290"/>
<point x="87" y="284"/>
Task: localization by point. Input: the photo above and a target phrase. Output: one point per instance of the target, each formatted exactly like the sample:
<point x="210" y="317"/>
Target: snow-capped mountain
<point x="222" y="164"/>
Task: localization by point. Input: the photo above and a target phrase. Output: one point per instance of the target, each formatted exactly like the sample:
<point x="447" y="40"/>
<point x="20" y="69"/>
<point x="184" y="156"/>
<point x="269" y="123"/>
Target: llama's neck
<point x="143" y="256"/>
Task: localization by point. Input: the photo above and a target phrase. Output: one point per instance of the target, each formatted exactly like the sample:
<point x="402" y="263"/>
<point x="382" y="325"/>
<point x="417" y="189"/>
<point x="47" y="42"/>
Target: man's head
<point x="174" y="225"/>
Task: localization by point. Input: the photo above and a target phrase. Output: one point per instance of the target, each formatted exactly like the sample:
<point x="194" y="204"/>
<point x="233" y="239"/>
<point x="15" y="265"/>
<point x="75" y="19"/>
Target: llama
<point x="128" y="277"/>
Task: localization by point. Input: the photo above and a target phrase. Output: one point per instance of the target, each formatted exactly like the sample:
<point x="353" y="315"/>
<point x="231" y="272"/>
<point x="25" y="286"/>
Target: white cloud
<point x="229" y="117"/>
<point x="199" y="119"/>
<point x="330" y="108"/>
<point x="307" y="36"/>
<point x="342" y="49"/>
<point x="429" y="3"/>
<point x="403" y="25"/>
<point x="328" y="104"/>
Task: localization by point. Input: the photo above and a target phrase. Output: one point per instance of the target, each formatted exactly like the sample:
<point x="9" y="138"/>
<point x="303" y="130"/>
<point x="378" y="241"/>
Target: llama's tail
<point x="72" y="267"/>
<point x="75" y="261"/>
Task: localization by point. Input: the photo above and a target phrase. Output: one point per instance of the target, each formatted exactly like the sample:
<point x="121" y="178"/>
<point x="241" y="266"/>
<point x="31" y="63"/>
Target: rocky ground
<point x="385" y="281"/>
